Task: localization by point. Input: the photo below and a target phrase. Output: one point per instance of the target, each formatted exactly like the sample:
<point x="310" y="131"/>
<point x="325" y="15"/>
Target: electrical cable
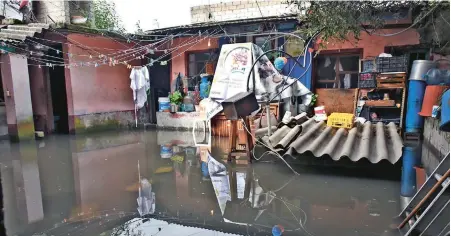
<point x="411" y="26"/>
<point x="272" y="150"/>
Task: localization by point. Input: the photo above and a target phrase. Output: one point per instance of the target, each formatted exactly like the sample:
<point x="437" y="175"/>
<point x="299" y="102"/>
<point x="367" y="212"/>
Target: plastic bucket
<point x="166" y="151"/>
<point x="431" y="96"/>
<point x="164" y="104"/>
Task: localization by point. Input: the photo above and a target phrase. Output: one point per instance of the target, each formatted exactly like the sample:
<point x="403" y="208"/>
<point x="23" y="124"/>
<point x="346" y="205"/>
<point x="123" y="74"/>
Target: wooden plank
<point x="380" y="103"/>
<point x="337" y="100"/>
<point x="220" y="126"/>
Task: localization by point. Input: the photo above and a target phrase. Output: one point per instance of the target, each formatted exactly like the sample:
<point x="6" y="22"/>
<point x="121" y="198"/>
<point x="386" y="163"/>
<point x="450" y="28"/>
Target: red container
<point x="432" y="96"/>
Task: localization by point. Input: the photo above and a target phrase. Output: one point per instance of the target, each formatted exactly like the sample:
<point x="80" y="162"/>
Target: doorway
<point x="160" y="77"/>
<point x="3" y="121"/>
<point x="58" y="92"/>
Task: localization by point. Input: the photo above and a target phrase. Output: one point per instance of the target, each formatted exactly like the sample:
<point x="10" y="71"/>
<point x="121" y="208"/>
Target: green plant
<point x="177" y="158"/>
<point x="314" y="98"/>
<point x="346" y="20"/>
<point x="105" y="16"/>
<point x="176" y="98"/>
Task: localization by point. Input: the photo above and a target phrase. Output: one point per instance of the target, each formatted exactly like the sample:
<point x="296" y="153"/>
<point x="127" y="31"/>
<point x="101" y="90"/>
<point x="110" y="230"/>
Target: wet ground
<point x="88" y="185"/>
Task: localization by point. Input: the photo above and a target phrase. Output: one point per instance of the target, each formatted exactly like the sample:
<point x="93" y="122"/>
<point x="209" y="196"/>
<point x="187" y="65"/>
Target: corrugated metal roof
<point x="374" y="142"/>
<point x="148" y="227"/>
<point x="21" y="32"/>
<point x="224" y="23"/>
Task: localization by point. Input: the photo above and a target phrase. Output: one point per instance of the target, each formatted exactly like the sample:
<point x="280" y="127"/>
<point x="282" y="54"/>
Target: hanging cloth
<point x="139" y="83"/>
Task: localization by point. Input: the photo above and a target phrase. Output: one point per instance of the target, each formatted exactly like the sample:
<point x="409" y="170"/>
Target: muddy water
<point x="88" y="185"/>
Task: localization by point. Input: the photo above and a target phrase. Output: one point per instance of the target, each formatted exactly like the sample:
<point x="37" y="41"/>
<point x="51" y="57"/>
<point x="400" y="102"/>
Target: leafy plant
<point x="176" y="98"/>
<point x="105" y="16"/>
<point x="313" y="101"/>
<point x="345" y="20"/>
<point x="138" y="30"/>
<point x="177" y="158"/>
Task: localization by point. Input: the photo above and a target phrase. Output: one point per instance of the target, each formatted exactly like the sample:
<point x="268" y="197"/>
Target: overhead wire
<point x="271" y="149"/>
<point x="411" y="26"/>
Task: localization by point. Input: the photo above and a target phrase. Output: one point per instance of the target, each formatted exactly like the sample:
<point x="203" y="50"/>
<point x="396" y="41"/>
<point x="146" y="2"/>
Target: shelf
<point x="396" y="121"/>
<point x="382" y="107"/>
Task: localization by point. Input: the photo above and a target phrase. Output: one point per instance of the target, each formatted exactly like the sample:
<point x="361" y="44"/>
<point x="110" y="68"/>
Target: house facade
<point x="53" y="79"/>
<point x="84" y="93"/>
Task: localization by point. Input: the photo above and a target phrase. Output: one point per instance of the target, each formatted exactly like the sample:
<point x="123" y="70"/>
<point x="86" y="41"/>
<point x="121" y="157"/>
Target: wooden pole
<point x="428" y="195"/>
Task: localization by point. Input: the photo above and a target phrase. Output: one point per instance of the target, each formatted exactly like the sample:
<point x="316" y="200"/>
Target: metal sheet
<point x="337" y="100"/>
<point x="374" y="142"/>
<point x="21" y="32"/>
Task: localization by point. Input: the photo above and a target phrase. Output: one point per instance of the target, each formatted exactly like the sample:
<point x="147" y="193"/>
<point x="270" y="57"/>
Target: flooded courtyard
<point x="89" y="185"/>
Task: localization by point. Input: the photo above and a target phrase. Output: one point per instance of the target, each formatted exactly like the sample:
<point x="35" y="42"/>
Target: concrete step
<point x="20" y="37"/>
<point x="39" y="25"/>
<point x="25" y="28"/>
<point x="18" y="32"/>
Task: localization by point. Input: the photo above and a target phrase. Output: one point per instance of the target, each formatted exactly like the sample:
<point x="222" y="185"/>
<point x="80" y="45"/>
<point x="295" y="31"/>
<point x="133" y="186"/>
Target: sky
<point x="168" y="13"/>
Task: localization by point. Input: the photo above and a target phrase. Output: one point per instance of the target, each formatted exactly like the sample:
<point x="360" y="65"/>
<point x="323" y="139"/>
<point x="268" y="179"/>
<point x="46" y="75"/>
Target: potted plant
<point x="176" y="99"/>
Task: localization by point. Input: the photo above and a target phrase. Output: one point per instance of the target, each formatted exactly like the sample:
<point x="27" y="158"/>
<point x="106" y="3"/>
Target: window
<point x="197" y="62"/>
<point x="337" y="71"/>
<point x="264" y="42"/>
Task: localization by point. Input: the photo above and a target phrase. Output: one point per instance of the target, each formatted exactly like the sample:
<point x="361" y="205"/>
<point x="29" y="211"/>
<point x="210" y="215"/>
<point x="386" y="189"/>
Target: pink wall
<point x="374" y="45"/>
<point x="97" y="89"/>
<point x="180" y="56"/>
<point x="105" y="176"/>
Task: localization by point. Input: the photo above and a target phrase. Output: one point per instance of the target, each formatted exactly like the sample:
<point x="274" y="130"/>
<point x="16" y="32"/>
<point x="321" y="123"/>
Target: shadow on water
<point x="89" y="185"/>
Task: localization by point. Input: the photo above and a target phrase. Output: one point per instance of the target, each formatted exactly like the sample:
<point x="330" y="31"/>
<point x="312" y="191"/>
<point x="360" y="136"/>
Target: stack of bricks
<point x="238" y="10"/>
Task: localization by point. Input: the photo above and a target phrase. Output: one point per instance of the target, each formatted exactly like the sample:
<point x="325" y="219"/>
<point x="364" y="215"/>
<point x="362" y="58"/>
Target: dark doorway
<point x="3" y="122"/>
<point x="160" y="76"/>
<point x="59" y="96"/>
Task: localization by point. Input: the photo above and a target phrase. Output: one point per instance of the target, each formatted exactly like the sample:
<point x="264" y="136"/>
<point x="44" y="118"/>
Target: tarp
<point x="232" y="73"/>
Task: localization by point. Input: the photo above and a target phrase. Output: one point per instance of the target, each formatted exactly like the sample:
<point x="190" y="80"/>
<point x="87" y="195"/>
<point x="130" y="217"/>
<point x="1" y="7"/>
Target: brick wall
<point x="373" y="45"/>
<point x="243" y="9"/>
<point x="57" y="10"/>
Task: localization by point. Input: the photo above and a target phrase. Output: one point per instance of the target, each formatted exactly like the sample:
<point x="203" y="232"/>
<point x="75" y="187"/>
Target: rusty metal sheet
<point x="337" y="100"/>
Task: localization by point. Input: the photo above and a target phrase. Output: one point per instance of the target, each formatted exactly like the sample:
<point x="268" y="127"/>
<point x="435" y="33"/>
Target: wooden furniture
<point x="221" y="126"/>
<point x="391" y="80"/>
<point x="233" y="138"/>
<point x="390" y="83"/>
<point x="337" y="100"/>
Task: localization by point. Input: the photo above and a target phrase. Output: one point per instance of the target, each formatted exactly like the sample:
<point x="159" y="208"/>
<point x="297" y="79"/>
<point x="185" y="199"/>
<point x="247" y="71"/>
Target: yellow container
<point x="341" y="120"/>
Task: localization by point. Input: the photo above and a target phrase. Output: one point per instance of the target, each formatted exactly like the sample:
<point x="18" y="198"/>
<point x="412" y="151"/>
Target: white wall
<point x="57" y="10"/>
<point x="240" y="9"/>
<point x="9" y="12"/>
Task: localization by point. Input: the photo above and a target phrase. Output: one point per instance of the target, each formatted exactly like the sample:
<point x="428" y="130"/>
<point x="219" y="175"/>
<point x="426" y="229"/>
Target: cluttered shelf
<point x="383" y="107"/>
<point x="381" y="97"/>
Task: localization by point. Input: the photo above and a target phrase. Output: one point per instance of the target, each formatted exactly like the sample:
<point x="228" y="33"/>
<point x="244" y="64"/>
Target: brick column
<point x="41" y="97"/>
<point x="16" y="86"/>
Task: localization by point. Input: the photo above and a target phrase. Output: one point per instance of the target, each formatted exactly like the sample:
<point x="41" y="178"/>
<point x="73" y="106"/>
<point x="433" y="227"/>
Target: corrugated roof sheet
<point x="224" y="23"/>
<point x="21" y="32"/>
<point x="374" y="142"/>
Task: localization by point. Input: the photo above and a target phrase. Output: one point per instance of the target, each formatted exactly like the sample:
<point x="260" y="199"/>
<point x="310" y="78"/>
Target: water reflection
<point x="90" y="185"/>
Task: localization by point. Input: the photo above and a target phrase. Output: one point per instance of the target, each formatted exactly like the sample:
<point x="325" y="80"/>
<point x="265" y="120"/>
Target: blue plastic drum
<point x="410" y="158"/>
<point x="444" y="119"/>
<point x="414" y="122"/>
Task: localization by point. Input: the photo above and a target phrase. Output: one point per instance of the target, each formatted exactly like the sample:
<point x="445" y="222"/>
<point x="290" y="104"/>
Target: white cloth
<point x="139" y="83"/>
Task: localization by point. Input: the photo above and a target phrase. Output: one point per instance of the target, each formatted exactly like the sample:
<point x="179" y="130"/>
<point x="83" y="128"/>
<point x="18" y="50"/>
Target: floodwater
<point x="89" y="185"/>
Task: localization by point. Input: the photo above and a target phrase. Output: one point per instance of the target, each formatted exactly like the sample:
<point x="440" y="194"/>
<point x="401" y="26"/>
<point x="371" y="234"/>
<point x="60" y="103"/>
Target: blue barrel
<point x="444" y="119"/>
<point x="410" y="158"/>
<point x="414" y="122"/>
